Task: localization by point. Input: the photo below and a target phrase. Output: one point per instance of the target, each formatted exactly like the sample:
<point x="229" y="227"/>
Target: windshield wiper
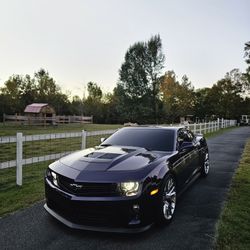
<point x="106" y="145"/>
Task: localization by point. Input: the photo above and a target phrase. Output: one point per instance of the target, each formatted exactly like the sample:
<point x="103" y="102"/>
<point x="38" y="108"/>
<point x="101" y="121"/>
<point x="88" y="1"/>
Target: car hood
<point x="105" y="161"/>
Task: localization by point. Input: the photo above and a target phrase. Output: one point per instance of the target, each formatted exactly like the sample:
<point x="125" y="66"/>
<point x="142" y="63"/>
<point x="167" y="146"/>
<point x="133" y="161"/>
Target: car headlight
<point x="129" y="188"/>
<point x="52" y="176"/>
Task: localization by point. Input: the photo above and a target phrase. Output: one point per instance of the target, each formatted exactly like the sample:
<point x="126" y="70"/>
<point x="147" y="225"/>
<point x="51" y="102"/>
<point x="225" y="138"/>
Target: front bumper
<point x="109" y="214"/>
<point x="94" y="228"/>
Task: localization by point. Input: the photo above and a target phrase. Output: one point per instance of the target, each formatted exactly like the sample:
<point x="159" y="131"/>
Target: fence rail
<point x="29" y="149"/>
<point x="43" y="120"/>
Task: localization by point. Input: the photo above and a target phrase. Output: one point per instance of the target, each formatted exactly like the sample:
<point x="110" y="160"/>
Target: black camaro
<point x="128" y="182"/>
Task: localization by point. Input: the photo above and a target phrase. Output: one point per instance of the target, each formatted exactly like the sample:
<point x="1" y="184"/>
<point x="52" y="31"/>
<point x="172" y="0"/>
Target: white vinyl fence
<point x="212" y="126"/>
<point x="18" y="142"/>
<point x="59" y="144"/>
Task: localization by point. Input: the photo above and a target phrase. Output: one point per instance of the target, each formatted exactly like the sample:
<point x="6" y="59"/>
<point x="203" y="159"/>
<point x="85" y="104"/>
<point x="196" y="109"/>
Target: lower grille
<point x="88" y="189"/>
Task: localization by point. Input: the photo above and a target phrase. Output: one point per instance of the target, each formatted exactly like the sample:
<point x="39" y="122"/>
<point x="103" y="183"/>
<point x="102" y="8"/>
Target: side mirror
<point x="103" y="139"/>
<point x="186" y="146"/>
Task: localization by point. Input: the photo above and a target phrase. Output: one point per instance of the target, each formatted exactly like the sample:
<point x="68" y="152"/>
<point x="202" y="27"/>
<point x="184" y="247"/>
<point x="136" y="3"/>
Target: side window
<point x="184" y="136"/>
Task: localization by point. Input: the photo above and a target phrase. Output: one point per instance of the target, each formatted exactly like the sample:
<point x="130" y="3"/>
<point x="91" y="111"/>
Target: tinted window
<point x="185" y="135"/>
<point x="152" y="139"/>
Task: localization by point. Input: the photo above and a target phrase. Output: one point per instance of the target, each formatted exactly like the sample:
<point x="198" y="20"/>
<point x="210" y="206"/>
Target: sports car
<point x="129" y="182"/>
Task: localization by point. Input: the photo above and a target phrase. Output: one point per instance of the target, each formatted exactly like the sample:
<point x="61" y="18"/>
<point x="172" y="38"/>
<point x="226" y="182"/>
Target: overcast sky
<point x="79" y="41"/>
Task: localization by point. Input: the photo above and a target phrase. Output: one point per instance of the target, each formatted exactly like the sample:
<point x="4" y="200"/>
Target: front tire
<point x="167" y="202"/>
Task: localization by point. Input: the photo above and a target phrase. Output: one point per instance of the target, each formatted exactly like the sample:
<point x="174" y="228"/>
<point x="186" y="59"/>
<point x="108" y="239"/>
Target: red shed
<point x="40" y="113"/>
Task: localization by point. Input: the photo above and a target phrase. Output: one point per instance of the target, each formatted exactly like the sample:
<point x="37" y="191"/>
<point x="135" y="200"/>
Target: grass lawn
<point x="233" y="228"/>
<point x="12" y="129"/>
<point x="45" y="147"/>
<point x="14" y="197"/>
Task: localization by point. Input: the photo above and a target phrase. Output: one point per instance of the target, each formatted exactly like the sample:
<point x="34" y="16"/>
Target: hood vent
<point x="101" y="155"/>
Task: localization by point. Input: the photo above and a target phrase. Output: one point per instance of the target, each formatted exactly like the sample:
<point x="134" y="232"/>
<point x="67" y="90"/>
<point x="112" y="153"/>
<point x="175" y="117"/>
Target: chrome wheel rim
<point x="206" y="164"/>
<point x="169" y="199"/>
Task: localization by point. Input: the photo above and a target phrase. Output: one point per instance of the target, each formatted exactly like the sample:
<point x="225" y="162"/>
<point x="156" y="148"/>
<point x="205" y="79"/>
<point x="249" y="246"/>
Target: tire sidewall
<point x="160" y="219"/>
<point x="203" y="172"/>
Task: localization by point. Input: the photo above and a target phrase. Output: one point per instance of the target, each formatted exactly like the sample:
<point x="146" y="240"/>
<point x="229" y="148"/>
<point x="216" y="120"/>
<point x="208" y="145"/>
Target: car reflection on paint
<point x="127" y="183"/>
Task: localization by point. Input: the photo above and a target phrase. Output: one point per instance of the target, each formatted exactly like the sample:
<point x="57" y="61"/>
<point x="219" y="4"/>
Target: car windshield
<point x="152" y="139"/>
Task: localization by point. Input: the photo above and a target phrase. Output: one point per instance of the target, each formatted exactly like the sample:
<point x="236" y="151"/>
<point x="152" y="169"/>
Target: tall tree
<point x="94" y="91"/>
<point x="28" y="90"/>
<point x="154" y="65"/>
<point x="12" y="92"/>
<point x="177" y="97"/>
<point x="225" y="99"/>
<point x="46" y="85"/>
<point x="247" y="74"/>
<point x="138" y="86"/>
<point x="93" y="104"/>
<point x="48" y="91"/>
<point x="204" y="105"/>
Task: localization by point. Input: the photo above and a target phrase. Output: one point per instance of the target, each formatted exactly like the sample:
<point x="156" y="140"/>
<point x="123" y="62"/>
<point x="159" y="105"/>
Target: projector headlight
<point x="52" y="176"/>
<point x="130" y="188"/>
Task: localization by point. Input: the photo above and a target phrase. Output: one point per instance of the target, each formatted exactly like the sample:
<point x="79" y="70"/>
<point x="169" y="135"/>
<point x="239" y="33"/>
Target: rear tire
<point x="205" y="165"/>
<point x="167" y="201"/>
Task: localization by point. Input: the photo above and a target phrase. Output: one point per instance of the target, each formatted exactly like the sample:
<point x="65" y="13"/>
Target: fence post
<point x="84" y="137"/>
<point x="19" y="159"/>
<point x="194" y="128"/>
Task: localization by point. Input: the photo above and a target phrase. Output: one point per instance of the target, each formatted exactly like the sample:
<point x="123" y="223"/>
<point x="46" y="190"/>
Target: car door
<point x="195" y="155"/>
<point x="187" y="159"/>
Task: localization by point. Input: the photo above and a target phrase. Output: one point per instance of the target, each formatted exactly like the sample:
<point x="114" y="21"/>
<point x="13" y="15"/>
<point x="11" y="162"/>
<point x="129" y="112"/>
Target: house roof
<point x="35" y="107"/>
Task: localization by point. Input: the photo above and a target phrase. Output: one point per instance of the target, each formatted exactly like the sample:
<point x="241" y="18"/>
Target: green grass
<point x="13" y="197"/>
<point x="233" y="228"/>
<point x="218" y="132"/>
<point x="44" y="147"/>
<point x="11" y="129"/>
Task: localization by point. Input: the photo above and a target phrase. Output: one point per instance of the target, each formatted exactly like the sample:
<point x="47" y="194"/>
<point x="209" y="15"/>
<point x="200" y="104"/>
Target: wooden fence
<point x="54" y="120"/>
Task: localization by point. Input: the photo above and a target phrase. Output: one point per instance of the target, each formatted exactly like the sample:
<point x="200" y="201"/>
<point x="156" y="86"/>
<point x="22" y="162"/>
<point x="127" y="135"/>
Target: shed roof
<point x="35" y="107"/>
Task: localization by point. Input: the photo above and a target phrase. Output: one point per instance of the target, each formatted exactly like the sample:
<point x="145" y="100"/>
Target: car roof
<point x="175" y="128"/>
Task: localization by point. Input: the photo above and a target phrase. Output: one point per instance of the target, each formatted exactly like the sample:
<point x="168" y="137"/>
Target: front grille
<point x="88" y="189"/>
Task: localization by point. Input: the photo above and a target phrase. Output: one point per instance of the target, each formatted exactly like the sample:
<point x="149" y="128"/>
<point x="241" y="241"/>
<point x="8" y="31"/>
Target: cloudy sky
<point x="85" y="40"/>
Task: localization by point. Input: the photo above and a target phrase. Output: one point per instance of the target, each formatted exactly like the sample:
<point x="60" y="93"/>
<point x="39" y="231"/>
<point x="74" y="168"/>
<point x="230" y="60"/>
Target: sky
<point x="79" y="41"/>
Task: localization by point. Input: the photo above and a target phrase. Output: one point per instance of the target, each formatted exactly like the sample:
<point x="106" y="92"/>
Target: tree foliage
<point x="247" y="59"/>
<point x="225" y="99"/>
<point x="19" y="91"/>
<point x="143" y="94"/>
<point x="177" y="97"/>
<point x="139" y="81"/>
